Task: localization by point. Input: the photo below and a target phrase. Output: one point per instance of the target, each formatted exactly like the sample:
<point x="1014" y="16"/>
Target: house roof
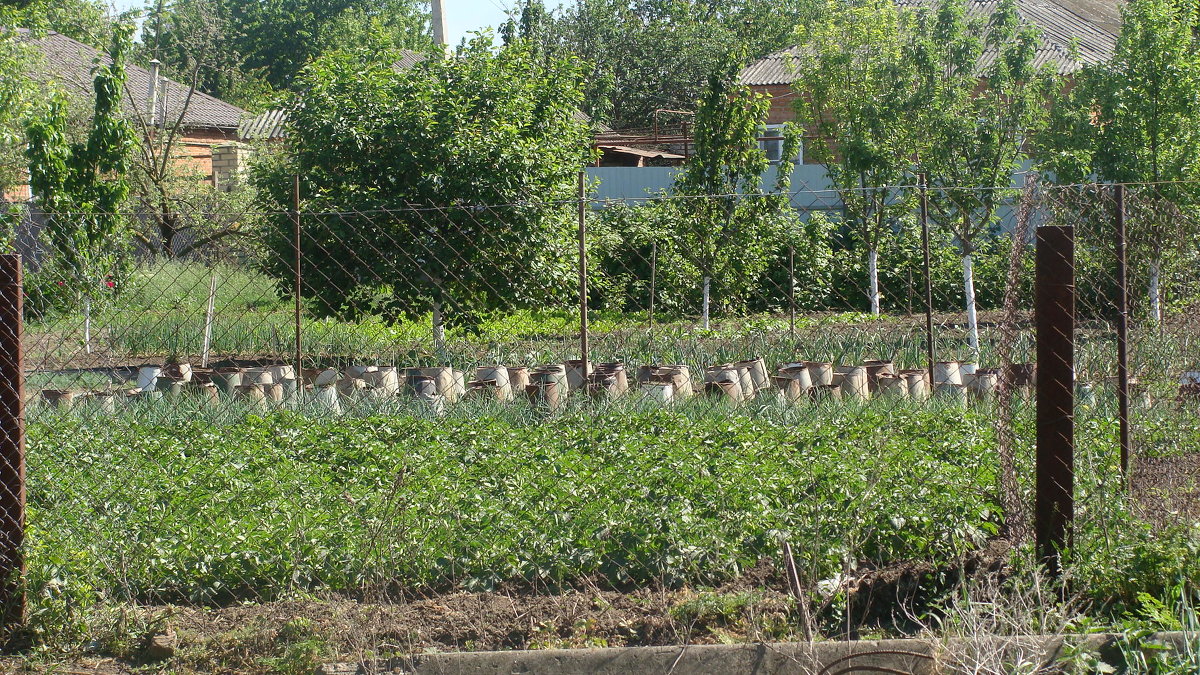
<point x="69" y="63"/>
<point x="640" y="152"/>
<point x="1088" y="27"/>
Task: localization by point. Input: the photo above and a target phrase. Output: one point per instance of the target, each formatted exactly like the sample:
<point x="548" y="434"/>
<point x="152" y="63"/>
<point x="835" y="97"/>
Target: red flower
<point x="62" y="283"/>
<point x="110" y="284"/>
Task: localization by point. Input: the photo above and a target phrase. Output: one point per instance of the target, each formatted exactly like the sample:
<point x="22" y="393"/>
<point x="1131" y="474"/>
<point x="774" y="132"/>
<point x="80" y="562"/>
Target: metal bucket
<point x="798" y="372"/>
<point x="385" y="380"/>
<point x="757" y="369"/>
<point x="891" y="386"/>
<point x="947" y="372"/>
<point x="917" y="382"/>
<point x="498" y="377"/>
<point x="576" y="379"/>
<point x="820" y="372"/>
<point x="147" y="377"/>
<point x="855" y="383"/>
<point x="545" y="393"/>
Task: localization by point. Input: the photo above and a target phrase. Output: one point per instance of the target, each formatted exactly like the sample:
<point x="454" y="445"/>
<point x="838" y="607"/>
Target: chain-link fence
<point x="751" y="398"/>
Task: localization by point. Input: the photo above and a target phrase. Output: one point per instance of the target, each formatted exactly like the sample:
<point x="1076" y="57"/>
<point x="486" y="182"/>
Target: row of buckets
<point x="550" y="384"/>
<point x="799" y="381"/>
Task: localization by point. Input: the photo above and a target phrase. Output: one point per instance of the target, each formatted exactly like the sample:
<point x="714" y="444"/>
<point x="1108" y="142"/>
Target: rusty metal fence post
<point x="1122" y="333"/>
<point x="299" y="259"/>
<point x="929" y="346"/>
<point x="1054" y="310"/>
<point x="12" y="443"/>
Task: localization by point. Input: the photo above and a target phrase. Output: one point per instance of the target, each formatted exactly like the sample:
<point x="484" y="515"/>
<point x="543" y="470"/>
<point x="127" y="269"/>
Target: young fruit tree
<point x="447" y="188"/>
<point x="1136" y="119"/>
<point x="82" y="186"/>
<point x="855" y="84"/>
<point x="984" y="97"/>
<point x="723" y="222"/>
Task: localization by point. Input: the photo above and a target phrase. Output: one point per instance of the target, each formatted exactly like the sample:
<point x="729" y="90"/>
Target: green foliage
<point x="82" y="186"/>
<point x="1136" y="119"/>
<point x="87" y="21"/>
<point x="244" y="50"/>
<point x="857" y="84"/>
<point x="16" y="94"/>
<point x="978" y="124"/>
<point x="645" y="55"/>
<point x="721" y="220"/>
<point x="478" y="495"/>
<point x="478" y="193"/>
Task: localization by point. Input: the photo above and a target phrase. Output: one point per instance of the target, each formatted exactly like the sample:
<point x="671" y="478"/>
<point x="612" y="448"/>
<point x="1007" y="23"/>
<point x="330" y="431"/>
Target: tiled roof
<point x="69" y="63"/>
<point x="1088" y="26"/>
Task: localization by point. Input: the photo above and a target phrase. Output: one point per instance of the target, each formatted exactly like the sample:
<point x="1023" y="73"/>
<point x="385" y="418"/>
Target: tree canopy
<point x="722" y="221"/>
<point x="856" y="81"/>
<point x="645" y="55"/>
<point x="1136" y="119"/>
<point x="82" y="186"/>
<point x="463" y="169"/>
<point x="242" y="50"/>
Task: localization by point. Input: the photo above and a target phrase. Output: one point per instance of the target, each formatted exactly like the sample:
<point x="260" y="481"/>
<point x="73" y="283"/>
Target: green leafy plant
<point x="82" y="189"/>
<point x="475" y="216"/>
<point x="722" y="221"/>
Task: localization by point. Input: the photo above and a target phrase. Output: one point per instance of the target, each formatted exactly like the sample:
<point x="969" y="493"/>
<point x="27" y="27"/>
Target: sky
<point x="462" y="16"/>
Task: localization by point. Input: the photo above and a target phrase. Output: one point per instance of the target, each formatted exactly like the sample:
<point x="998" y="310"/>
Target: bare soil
<point x="295" y="635"/>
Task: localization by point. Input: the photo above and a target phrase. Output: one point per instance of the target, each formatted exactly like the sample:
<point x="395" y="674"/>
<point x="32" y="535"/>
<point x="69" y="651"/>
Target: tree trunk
<point x="87" y="324"/>
<point x="1155" y="292"/>
<point x="704" y="307"/>
<point x="873" y="273"/>
<point x="972" y="317"/>
<point x="439" y="332"/>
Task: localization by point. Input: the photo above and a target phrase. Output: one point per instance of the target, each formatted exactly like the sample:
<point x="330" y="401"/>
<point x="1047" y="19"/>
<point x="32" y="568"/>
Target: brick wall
<point x="229" y="164"/>
<point x="782" y="98"/>
<point x="192" y="153"/>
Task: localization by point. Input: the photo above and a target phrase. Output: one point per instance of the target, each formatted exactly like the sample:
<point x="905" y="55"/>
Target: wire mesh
<point x="757" y="374"/>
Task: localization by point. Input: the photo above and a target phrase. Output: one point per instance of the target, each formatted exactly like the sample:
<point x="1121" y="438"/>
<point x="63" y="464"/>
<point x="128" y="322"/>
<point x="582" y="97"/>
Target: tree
<point x="453" y="183"/>
<point x="15" y="98"/>
<point x="81" y="187"/>
<point x="87" y="21"/>
<point x="1136" y="119"/>
<point x="978" y="120"/>
<point x="173" y="197"/>
<point x="644" y="55"/>
<point x="855" y="81"/>
<point x="256" y="47"/>
<point x="724" y="221"/>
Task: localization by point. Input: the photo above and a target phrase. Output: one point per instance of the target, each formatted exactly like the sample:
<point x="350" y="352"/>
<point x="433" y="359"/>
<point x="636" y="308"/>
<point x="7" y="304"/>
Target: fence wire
<point x="757" y="396"/>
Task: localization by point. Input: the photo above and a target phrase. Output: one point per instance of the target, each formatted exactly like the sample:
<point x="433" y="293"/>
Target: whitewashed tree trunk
<point x="873" y="273"/>
<point x="439" y="330"/>
<point x="1155" y="292"/>
<point x="208" y="320"/>
<point x="87" y="324"/>
<point x="972" y="316"/>
<point x="704" y="307"/>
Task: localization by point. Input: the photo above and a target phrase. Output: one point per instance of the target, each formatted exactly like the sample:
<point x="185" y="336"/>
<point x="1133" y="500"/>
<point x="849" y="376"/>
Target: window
<point x="771" y="142"/>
